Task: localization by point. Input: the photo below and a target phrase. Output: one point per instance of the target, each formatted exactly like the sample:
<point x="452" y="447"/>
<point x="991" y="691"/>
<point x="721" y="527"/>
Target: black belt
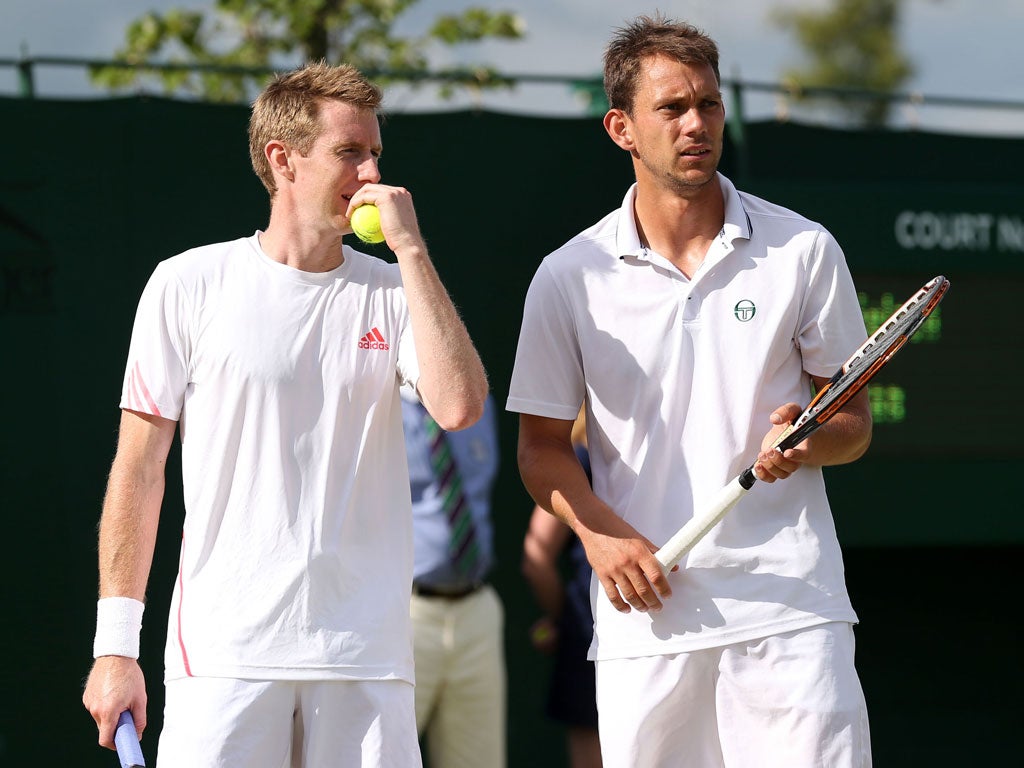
<point x="422" y="590"/>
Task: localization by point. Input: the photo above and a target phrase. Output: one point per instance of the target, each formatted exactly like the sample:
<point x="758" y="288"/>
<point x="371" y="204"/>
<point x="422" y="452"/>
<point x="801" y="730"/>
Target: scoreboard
<point x="949" y="392"/>
<point x="946" y="443"/>
<point x="930" y="399"/>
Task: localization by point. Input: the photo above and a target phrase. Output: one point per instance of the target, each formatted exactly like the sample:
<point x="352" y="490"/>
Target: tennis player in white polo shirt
<point x="693" y="323"/>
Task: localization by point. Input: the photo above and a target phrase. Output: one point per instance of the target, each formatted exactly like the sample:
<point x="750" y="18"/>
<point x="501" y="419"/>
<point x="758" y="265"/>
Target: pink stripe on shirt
<point x="139" y="398"/>
<point x="181" y="600"/>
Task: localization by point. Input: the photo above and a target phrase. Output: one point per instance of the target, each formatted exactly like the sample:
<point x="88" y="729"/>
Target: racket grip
<point x="698" y="526"/>
<point x="129" y="752"/>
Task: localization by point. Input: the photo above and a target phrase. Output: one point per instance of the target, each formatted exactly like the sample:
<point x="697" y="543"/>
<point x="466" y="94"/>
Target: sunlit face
<point x="677" y="125"/>
<point x="344" y="158"/>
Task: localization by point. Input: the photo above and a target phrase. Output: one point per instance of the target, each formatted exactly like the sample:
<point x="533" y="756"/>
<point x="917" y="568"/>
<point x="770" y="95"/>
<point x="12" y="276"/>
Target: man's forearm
<point x="453" y="383"/>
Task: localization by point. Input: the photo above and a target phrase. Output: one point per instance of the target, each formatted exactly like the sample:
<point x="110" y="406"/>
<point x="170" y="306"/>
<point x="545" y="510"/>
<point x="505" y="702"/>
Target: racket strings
<point x="866" y="361"/>
<point x="905" y="320"/>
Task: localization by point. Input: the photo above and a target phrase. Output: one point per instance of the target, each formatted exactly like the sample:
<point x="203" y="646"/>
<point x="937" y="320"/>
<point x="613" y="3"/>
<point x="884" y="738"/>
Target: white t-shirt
<point x="296" y="559"/>
<point x="680" y="376"/>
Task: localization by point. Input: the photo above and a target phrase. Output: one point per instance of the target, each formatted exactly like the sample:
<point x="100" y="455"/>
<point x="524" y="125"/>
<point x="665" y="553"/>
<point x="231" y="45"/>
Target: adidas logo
<point x="373" y="340"/>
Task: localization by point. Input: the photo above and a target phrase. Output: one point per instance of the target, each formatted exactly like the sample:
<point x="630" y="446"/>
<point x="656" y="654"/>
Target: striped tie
<point x="463" y="548"/>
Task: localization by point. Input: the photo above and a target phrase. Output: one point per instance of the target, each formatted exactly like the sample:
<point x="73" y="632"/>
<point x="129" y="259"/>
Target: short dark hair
<point x="646" y="37"/>
<point x="289" y="109"/>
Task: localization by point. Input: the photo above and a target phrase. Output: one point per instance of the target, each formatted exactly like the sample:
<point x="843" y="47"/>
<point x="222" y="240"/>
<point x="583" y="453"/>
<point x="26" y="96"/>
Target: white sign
<point x="959" y="231"/>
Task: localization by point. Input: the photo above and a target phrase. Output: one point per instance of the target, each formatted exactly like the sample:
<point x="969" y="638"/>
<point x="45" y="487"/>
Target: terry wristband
<point x="118" y="625"/>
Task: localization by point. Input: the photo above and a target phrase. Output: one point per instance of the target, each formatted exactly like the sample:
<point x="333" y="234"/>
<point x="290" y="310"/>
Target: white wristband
<point x="118" y="625"/>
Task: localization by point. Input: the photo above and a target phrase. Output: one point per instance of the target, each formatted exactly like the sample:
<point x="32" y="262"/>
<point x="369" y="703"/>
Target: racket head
<point x="879" y="348"/>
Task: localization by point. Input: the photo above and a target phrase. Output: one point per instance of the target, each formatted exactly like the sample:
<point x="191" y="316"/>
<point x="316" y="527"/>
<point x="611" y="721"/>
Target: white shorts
<point x="218" y="722"/>
<point x="785" y="701"/>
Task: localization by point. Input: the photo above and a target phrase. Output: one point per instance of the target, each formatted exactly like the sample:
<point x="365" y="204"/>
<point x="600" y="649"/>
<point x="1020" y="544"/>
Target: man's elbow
<point x="458" y="419"/>
<point x="463" y="412"/>
<point x="865" y="444"/>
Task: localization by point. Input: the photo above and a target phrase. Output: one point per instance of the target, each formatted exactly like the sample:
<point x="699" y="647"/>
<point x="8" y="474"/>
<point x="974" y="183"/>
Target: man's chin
<point x="692" y="182"/>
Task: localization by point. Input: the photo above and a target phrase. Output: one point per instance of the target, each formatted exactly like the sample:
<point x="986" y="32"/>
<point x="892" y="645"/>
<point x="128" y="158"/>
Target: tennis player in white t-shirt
<point x="279" y="358"/>
<point x="692" y="322"/>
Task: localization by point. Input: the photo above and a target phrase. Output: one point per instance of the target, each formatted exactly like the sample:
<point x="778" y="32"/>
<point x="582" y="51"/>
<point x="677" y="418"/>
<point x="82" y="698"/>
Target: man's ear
<point x="619" y="126"/>
<point x="279" y="157"/>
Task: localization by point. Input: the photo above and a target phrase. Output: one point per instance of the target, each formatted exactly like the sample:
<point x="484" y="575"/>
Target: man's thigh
<point x="212" y="722"/>
<point x="430" y="634"/>
<point x="794" y="700"/>
<point x="790" y="701"/>
<point x="358" y="723"/>
<point x="659" y="711"/>
<point x="215" y="722"/>
<point x="467" y="727"/>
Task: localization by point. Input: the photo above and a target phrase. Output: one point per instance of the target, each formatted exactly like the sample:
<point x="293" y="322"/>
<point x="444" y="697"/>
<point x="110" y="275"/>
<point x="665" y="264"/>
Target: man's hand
<point x="773" y="464"/>
<point x="398" y="221"/>
<point x="843" y="439"/>
<point x="625" y="564"/>
<point x="116" y="683"/>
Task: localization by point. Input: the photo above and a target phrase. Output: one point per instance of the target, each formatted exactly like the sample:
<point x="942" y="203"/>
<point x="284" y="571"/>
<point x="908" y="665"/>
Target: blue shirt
<point x="475" y="451"/>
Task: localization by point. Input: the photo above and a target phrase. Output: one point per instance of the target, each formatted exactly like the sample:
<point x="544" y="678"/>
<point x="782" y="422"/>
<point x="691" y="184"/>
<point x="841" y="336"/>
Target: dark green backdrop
<point x="93" y="194"/>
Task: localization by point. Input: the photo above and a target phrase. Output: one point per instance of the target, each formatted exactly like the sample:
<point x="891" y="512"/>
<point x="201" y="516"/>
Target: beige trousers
<point x="460" y="679"/>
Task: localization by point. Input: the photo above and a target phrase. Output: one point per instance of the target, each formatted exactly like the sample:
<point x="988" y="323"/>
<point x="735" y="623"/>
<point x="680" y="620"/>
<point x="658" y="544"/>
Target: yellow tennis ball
<point x="365" y="223"/>
<point x="541" y="634"/>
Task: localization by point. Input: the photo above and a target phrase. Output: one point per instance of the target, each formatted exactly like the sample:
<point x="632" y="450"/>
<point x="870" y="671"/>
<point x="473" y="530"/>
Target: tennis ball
<point x="541" y="634"/>
<point x="365" y="223"/>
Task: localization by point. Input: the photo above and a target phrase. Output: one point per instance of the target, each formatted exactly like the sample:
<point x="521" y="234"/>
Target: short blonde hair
<point x="289" y="109"/>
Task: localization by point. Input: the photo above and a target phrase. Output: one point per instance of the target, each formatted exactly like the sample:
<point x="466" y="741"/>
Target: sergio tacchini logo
<point x="744" y="310"/>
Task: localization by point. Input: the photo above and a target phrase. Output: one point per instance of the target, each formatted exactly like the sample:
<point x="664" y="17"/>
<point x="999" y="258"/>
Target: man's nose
<point x="369" y="171"/>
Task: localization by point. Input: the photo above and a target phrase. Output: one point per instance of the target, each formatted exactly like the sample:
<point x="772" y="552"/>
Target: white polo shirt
<point x="680" y="376"/>
<point x="293" y="461"/>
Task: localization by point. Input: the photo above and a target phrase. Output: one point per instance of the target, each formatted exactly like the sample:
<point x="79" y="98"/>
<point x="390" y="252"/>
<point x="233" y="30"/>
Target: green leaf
<point x="255" y="33"/>
<point x="854" y="44"/>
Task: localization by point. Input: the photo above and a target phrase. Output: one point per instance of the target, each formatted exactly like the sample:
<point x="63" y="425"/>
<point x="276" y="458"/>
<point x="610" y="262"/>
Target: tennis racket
<point x="129" y="752"/>
<point x="854" y="374"/>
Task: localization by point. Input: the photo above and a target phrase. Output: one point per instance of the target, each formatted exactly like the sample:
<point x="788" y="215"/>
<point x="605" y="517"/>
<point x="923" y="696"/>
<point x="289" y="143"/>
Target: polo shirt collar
<point x="627" y="238"/>
<point x="737" y="222"/>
